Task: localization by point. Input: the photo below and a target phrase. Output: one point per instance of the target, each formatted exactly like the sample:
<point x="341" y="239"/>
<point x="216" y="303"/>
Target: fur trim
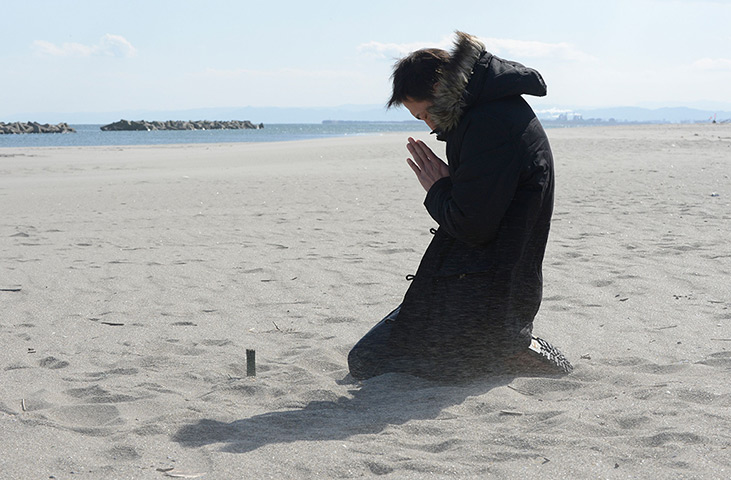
<point x="449" y="101"/>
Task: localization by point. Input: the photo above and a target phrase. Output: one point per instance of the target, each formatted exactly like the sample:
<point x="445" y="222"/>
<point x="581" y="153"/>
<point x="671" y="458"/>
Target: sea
<point x="92" y="135"/>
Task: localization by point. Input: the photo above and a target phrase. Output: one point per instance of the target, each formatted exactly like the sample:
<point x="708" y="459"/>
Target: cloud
<point x="512" y="48"/>
<point x="713" y="65"/>
<point x="107" y="46"/>
<point x="389" y="50"/>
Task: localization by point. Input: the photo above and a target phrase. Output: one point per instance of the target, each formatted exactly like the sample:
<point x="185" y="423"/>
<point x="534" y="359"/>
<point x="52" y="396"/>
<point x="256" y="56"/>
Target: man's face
<point x="420" y="110"/>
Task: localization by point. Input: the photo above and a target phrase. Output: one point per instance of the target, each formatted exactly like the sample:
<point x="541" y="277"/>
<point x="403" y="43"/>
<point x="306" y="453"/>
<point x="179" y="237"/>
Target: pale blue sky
<point x="97" y="56"/>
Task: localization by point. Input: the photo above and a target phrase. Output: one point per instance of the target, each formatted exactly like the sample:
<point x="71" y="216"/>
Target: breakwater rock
<point x="142" y="125"/>
<point x="34" y="127"/>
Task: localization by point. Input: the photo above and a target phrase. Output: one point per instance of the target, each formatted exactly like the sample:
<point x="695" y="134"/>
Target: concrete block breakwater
<point x="142" y="125"/>
<point x="34" y="127"/>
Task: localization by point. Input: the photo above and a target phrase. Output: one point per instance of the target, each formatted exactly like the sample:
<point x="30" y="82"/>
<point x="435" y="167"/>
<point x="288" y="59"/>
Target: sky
<point x="102" y="56"/>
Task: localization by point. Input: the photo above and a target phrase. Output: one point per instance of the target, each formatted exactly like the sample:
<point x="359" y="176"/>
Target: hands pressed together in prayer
<point x="428" y="167"/>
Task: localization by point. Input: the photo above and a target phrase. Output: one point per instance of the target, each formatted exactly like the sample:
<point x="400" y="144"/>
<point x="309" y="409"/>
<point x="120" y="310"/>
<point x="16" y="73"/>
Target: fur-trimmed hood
<point x="473" y="76"/>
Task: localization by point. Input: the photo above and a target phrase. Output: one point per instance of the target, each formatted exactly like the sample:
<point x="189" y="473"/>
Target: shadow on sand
<point x="390" y="399"/>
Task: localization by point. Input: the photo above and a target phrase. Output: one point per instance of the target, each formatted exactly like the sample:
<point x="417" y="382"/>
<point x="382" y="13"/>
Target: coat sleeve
<point x="470" y="204"/>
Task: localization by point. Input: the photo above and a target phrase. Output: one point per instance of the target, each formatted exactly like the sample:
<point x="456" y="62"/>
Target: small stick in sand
<point x="250" y="363"/>
<point x="511" y="412"/>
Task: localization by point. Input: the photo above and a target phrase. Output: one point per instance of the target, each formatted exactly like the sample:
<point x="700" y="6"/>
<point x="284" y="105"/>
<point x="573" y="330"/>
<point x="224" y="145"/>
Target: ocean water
<point x="91" y="135"/>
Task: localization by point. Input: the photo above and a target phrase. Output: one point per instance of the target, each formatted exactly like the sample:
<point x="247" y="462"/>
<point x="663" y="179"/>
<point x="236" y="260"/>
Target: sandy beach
<point x="134" y="279"/>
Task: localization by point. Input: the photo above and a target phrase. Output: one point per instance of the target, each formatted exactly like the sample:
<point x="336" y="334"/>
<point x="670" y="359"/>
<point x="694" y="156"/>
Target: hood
<point x="474" y="76"/>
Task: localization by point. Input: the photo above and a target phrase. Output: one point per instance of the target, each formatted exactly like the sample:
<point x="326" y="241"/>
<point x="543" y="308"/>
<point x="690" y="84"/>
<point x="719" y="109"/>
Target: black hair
<point x="415" y="75"/>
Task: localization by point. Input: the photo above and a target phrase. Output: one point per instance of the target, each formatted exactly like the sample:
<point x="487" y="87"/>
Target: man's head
<point x="431" y="82"/>
<point x="415" y="76"/>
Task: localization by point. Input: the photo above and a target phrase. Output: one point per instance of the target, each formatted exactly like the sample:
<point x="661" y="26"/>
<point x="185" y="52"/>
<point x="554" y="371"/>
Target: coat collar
<point x="449" y="99"/>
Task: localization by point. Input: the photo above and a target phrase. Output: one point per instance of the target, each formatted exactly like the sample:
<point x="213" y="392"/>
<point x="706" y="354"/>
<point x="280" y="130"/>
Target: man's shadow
<point x="390" y="399"/>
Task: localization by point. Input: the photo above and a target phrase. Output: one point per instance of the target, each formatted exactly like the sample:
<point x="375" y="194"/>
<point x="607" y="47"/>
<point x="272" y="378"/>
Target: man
<point x="469" y="310"/>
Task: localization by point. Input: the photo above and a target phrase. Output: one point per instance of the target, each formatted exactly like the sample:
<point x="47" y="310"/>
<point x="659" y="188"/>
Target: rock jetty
<point x="142" y="125"/>
<point x="34" y="127"/>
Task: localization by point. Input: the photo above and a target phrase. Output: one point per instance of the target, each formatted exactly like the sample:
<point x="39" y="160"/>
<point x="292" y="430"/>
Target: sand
<point x="134" y="279"/>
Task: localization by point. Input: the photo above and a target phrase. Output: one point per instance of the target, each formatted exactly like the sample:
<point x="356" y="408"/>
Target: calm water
<point x="91" y="135"/>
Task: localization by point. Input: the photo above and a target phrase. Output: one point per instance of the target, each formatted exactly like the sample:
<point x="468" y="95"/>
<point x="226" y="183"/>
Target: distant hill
<point x="636" y="114"/>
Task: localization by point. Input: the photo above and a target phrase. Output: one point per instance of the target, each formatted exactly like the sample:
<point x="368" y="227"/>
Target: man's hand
<point x="428" y="167"/>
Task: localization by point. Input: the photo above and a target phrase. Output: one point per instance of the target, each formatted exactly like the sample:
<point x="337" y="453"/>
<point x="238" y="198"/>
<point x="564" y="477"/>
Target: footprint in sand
<point x="53" y="363"/>
<point x="96" y="394"/>
<point x="79" y="417"/>
<point x="123" y="452"/>
<point x="53" y="407"/>
<point x="541" y="386"/>
<point x="676" y="438"/>
<point x="720" y="359"/>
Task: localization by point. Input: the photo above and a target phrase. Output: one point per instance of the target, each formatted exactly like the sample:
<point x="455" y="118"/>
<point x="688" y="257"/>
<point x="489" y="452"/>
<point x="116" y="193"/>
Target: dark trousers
<point x="372" y="356"/>
<point x="379" y="352"/>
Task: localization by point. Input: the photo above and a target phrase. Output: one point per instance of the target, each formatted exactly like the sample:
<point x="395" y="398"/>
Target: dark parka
<point x="479" y="285"/>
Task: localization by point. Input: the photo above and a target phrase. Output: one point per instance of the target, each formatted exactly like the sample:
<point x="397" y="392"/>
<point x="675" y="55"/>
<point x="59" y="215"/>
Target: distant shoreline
<point x="92" y="135"/>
